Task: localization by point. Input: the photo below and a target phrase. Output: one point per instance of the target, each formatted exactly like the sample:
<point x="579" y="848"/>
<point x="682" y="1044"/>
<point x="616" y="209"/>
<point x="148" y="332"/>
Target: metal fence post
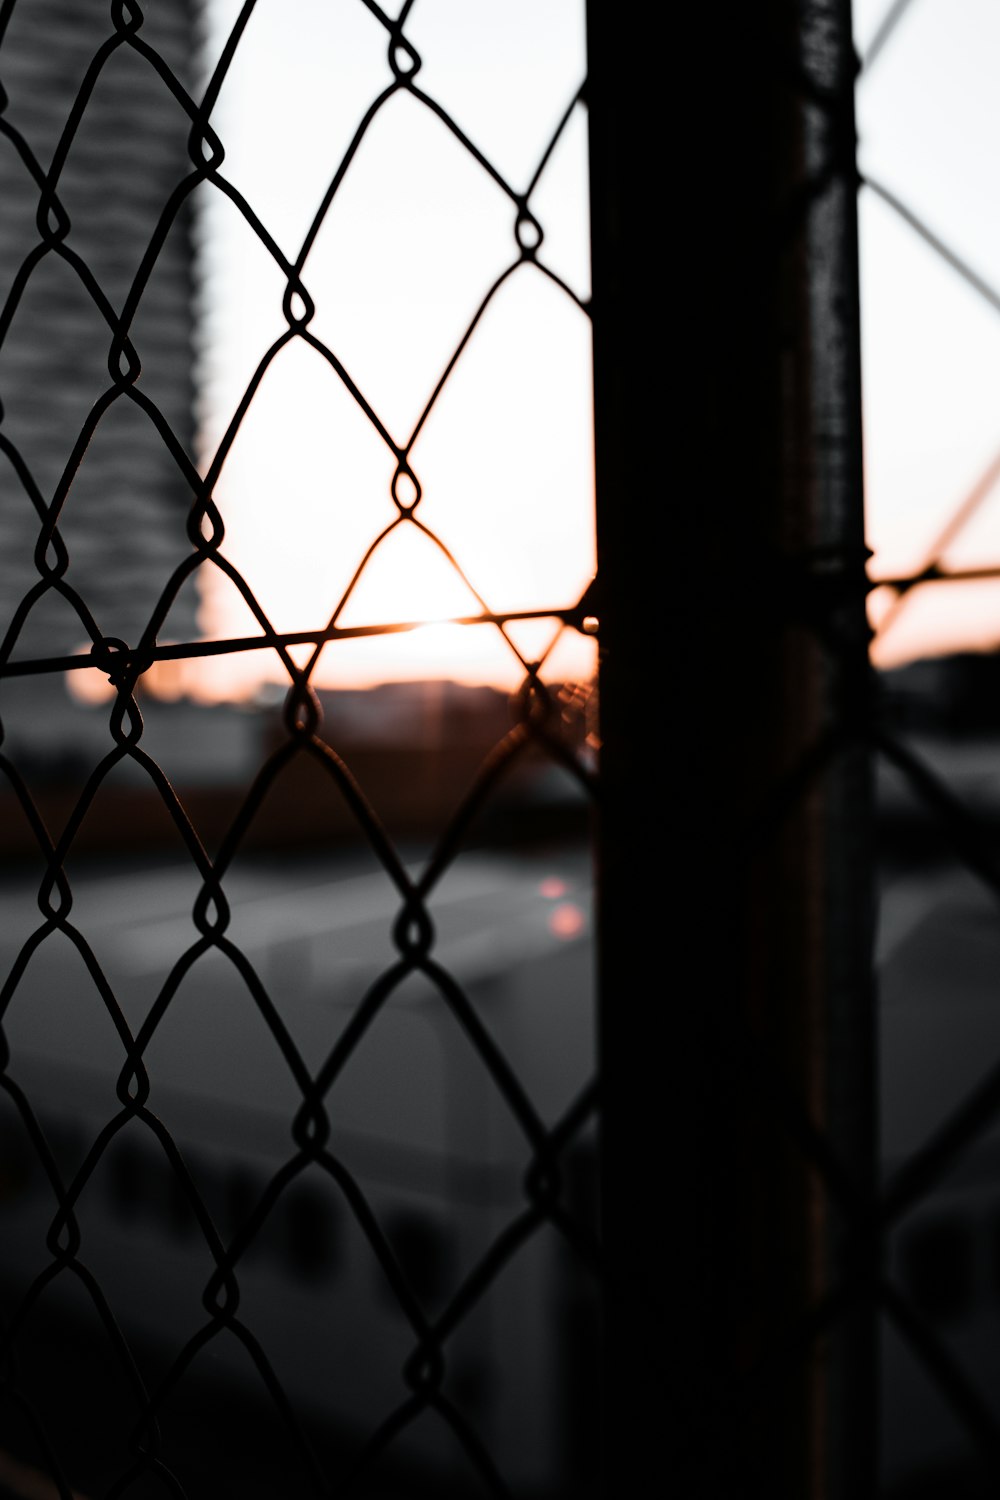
<point x="734" y="846"/>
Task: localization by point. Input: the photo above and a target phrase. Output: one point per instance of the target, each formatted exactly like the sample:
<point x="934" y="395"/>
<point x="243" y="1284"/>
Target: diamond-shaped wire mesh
<point x="99" y="302"/>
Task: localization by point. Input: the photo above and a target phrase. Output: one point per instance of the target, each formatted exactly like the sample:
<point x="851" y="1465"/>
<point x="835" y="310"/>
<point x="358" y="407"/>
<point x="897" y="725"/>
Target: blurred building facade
<point x="123" y="520"/>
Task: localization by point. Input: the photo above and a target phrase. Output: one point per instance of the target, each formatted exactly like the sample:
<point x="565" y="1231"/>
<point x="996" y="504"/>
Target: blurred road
<point x="938" y="954"/>
<point x="415" y="1118"/>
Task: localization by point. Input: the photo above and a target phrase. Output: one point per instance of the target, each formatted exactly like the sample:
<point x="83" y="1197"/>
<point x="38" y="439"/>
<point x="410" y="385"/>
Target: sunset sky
<point x="411" y="244"/>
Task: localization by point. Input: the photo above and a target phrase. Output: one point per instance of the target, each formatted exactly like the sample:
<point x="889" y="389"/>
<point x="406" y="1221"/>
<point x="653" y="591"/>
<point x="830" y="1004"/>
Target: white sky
<point x="411" y="244"/>
<point x="929" y="126"/>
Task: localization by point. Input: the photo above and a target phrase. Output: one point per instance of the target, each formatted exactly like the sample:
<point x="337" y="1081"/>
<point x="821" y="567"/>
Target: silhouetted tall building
<point x="124" y="516"/>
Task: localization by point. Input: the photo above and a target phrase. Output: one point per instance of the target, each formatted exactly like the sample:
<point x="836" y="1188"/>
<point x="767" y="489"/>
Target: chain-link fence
<point x="171" y="1251"/>
<point x="148" y="1346"/>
